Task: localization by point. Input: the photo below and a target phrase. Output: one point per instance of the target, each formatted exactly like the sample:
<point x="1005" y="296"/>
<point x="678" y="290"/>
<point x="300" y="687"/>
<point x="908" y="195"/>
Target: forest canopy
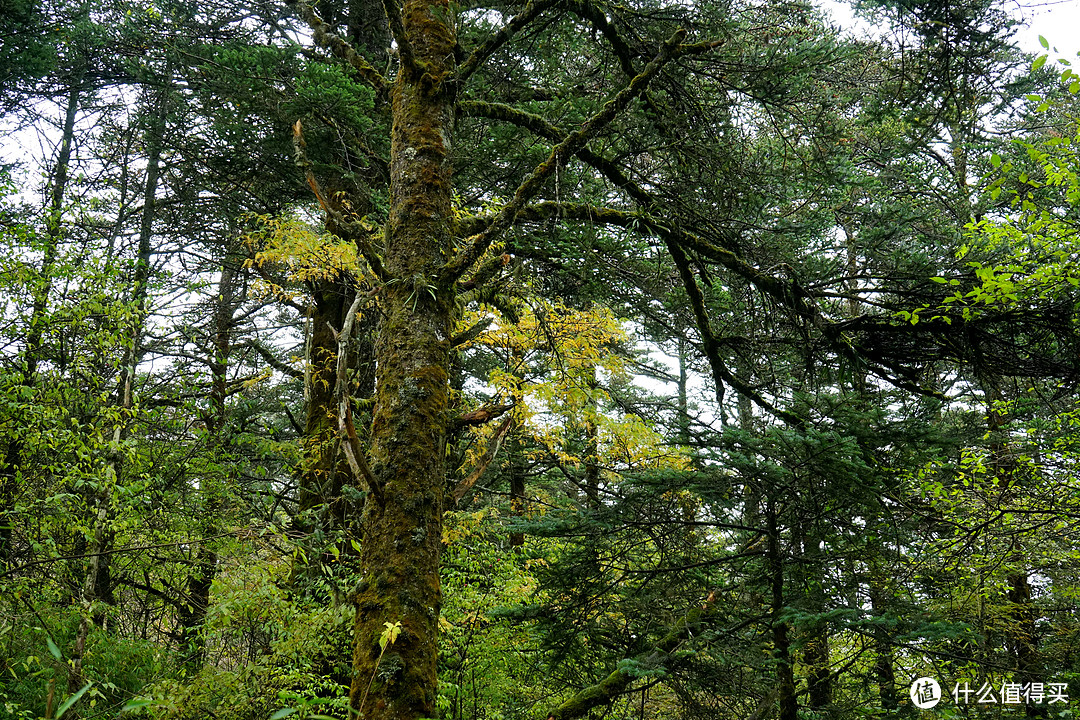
<point x="550" y="359"/>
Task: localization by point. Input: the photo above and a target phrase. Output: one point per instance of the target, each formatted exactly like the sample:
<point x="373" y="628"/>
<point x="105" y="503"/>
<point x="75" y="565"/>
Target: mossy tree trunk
<point x="402" y="519"/>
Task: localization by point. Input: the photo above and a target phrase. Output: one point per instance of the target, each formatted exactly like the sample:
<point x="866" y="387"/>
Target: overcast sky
<point x="1056" y="20"/>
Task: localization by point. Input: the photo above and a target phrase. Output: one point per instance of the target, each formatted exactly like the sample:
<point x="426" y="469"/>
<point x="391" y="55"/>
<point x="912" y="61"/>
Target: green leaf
<point x="136" y="703"/>
<point x="72" y="700"/>
<point x="53" y="650"/>
<point x="1039" y="62"/>
<point x="1044" y="42"/>
<point x="390" y="634"/>
<point x="995" y="160"/>
<point x="283" y="712"/>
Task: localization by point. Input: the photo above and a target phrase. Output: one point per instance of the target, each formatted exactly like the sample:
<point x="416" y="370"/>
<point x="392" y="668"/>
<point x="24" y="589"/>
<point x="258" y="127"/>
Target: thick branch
<point x="324" y="37"/>
<point x="480" y="416"/>
<point x="720" y="371"/>
<point x="559" y="155"/>
<point x="598" y="19"/>
<point x="532" y="10"/>
<point x="471" y="333"/>
<point x="397" y="29"/>
<point x="273" y="362"/>
<point x="354" y="230"/>
<point x="482" y="465"/>
<point x="619" y="681"/>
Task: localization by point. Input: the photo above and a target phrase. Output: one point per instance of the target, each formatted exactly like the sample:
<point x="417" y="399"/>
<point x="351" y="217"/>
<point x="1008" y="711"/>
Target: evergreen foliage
<point x="534" y="360"/>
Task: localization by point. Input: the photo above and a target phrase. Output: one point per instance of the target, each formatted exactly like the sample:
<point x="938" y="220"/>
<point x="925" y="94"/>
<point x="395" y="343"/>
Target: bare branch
<point x="721" y="374"/>
<point x="598" y="19"/>
<point x="354" y="453"/>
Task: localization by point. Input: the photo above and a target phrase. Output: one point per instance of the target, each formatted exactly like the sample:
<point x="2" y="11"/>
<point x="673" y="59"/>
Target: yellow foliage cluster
<point x="556" y="361"/>
<point x="307" y="254"/>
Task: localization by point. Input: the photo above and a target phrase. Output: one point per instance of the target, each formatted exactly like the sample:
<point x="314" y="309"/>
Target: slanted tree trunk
<point x="402" y="519"/>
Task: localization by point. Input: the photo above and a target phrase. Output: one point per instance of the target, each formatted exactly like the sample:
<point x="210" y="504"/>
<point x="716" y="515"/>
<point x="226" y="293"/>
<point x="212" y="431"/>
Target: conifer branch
<point x="559" y="155"/>
<point x="325" y="37"/>
<point x="619" y="681"/>
<point x="486" y="49"/>
<point x="711" y="347"/>
<point x="272" y="361"/>
<point x="596" y="17"/>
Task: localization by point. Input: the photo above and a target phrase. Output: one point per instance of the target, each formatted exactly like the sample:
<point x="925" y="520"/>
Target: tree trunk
<point x="36" y="328"/>
<point x="592" y="443"/>
<point x="402" y="529"/>
<point x="98" y="580"/>
<point x="197" y="602"/>
<point x="884" y="674"/>
<point x="785" y="673"/>
<point x="816" y="632"/>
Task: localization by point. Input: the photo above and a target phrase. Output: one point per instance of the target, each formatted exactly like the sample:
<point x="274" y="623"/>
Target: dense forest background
<point x="555" y="359"/>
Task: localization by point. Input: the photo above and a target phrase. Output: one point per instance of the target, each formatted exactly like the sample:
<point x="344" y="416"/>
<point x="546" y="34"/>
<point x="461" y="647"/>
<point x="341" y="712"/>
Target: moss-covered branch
<point x="619" y="681"/>
<point x="325" y="37"/>
<point x="559" y="155"/>
<point x="484" y="462"/>
<point x="397" y="29"/>
<point x="353" y="230"/>
<point x="500" y="37"/>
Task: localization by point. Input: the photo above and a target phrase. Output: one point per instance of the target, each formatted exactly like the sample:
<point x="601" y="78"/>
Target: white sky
<point x="1056" y="20"/>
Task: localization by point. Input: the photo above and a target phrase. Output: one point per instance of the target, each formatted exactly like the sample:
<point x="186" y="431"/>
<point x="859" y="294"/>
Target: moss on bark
<point x="403" y="535"/>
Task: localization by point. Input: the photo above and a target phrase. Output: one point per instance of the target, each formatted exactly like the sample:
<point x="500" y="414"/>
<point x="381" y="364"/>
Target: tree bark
<point x="402" y="533"/>
<point x="785" y="673"/>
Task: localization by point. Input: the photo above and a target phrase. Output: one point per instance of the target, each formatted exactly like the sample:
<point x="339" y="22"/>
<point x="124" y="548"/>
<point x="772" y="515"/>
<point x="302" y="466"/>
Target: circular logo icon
<point x="925" y="693"/>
